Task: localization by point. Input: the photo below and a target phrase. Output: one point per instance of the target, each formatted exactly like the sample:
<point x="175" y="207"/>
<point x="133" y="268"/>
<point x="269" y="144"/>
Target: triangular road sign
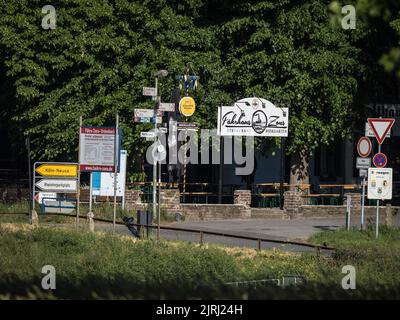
<point x="380" y="127"/>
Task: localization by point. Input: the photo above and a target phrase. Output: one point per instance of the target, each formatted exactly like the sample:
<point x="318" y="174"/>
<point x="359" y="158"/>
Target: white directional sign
<point x="43" y="197"/>
<point x="167" y="107"/>
<point x="149" y="91"/>
<point x="253" y="117"/>
<point x="380" y="127"/>
<point x="363" y="163"/>
<point x="380" y="183"/>
<point x="58" y="185"/>
<point x="149" y="134"/>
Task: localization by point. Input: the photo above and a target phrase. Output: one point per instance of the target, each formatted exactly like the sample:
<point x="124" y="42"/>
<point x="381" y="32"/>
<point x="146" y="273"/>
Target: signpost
<point x="50" y="178"/>
<point x="58" y="170"/>
<point x="187" y="126"/>
<point x="149" y="134"/>
<point x="363" y="163"/>
<point x="150" y="91"/>
<point x="166" y="107"/>
<point x="380" y="127"/>
<point x="58" y="185"/>
<point x="370" y="133"/>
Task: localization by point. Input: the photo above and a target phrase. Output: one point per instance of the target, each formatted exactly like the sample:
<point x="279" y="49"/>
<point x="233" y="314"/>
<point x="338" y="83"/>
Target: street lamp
<point x="158" y="74"/>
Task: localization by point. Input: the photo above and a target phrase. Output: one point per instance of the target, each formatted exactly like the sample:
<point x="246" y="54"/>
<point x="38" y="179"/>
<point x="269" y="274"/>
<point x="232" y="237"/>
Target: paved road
<point x="299" y="229"/>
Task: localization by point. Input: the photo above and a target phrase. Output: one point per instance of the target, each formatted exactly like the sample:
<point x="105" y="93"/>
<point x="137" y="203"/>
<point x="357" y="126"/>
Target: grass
<point x="102" y="265"/>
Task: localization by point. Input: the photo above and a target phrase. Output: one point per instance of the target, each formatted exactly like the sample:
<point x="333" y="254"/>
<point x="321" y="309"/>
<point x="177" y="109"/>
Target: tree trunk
<point x="299" y="169"/>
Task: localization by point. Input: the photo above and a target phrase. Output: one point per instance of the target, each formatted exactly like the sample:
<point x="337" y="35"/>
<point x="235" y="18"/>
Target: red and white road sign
<point x="380" y="127"/>
<point x="380" y="160"/>
<point x="46" y="196"/>
<point x="364" y="147"/>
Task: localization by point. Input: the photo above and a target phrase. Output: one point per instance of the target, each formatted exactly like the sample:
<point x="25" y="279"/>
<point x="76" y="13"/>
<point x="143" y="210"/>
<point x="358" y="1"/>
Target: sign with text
<point x="253" y="117"/>
<point x="57" y="170"/>
<point x="363" y="163"/>
<point x="97" y="148"/>
<point x="149" y="91"/>
<point x="58" y="185"/>
<point x="380" y="183"/>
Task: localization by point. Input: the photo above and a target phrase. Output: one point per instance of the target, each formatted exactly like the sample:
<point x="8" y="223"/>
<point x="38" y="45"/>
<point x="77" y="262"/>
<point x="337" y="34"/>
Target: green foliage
<point x="101" y="53"/>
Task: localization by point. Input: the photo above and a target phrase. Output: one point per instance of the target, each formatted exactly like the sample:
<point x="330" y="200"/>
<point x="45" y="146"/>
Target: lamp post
<point x="158" y="74"/>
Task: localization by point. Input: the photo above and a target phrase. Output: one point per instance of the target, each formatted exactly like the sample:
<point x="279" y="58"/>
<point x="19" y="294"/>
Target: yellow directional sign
<point x="58" y="170"/>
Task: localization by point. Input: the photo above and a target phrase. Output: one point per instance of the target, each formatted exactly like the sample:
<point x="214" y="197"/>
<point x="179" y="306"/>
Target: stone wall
<point x="203" y="212"/>
<point x="242" y="197"/>
<point x="355" y="199"/>
<point x="293" y="202"/>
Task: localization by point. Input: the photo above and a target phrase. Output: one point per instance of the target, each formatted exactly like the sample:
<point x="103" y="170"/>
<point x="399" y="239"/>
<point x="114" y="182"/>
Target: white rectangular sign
<point x="242" y="120"/>
<point x="149" y="91"/>
<point x="380" y="183"/>
<point x="149" y="134"/>
<point x="43" y="197"/>
<point x="59" y="206"/>
<point x="363" y="163"/>
<point x="143" y="113"/>
<point x="107" y="179"/>
<point x="167" y="107"/>
<point x="370" y="133"/>
<point x="97" y="148"/>
<point x="58" y="185"/>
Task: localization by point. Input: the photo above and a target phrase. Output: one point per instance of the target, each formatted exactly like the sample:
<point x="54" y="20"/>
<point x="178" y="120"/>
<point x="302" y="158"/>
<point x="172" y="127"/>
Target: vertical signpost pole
<point x="159" y="201"/>
<point x="116" y="156"/>
<point x="362" y="203"/>
<point x="78" y="195"/>
<point x="154" y="160"/>
<point x="377" y="207"/>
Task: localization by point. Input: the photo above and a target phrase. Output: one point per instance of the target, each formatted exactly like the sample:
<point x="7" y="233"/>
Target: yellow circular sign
<point x="187" y="106"/>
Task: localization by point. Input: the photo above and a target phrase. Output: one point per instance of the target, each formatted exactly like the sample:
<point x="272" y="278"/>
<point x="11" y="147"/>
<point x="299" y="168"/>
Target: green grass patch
<point x="102" y="265"/>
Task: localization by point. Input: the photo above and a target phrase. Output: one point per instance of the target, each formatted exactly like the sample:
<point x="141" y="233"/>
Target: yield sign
<point x="380" y="127"/>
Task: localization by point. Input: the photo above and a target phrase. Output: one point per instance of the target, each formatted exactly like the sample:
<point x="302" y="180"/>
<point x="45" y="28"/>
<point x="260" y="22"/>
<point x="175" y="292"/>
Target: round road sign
<point x="380" y="160"/>
<point x="187" y="106"/>
<point x="364" y="147"/>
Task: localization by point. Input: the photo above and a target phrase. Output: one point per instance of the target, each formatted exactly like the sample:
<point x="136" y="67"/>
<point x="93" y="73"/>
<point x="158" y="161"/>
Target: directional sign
<point x="380" y="127"/>
<point x="45" y="195"/>
<point x="187" y="126"/>
<point x="380" y="160"/>
<point x="363" y="163"/>
<point x="364" y="147"/>
<point x="149" y="134"/>
<point x="57" y="170"/>
<point x="380" y="183"/>
<point x="58" y="185"/>
<point x="149" y="91"/>
<point x="166" y="107"/>
<point x="58" y="206"/>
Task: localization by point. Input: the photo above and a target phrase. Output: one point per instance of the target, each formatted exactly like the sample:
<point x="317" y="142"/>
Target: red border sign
<point x="364" y="155"/>
<point x="381" y="137"/>
<point x="378" y="158"/>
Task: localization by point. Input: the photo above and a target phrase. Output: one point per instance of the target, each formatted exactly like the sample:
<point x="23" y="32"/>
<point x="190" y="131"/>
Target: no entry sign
<point x="364" y="147"/>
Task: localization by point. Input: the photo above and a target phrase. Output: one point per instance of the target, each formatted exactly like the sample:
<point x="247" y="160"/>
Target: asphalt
<point x="274" y="229"/>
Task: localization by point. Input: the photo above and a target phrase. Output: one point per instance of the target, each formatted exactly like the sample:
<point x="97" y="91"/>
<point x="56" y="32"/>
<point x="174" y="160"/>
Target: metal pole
<point x="78" y="195"/>
<point x="28" y="149"/>
<point x="159" y="201"/>
<point x="33" y="215"/>
<point x="282" y="171"/>
<point x="362" y="203"/>
<point x="116" y="157"/>
<point x="377" y="208"/>
<point x="90" y="192"/>
<point x="154" y="160"/>
<point x="221" y="168"/>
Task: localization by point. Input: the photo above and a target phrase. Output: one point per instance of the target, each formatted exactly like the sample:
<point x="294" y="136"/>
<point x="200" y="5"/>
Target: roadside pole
<point x="33" y="216"/>
<point x="377" y="207"/>
<point x="116" y="158"/>
<point x="90" y="213"/>
<point x="78" y="195"/>
<point x="282" y="173"/>
<point x="362" y="203"/>
<point x="154" y="160"/>
<point x="159" y="201"/>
